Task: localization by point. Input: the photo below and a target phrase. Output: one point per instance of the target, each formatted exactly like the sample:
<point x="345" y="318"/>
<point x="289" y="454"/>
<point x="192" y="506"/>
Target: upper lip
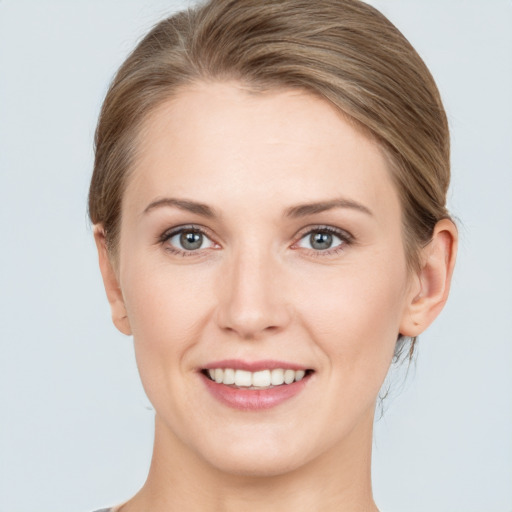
<point x="253" y="366"/>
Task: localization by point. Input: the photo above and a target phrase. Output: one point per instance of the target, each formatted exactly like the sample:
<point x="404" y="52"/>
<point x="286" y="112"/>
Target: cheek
<point x="166" y="307"/>
<point x="165" y="301"/>
<point x="354" y="315"/>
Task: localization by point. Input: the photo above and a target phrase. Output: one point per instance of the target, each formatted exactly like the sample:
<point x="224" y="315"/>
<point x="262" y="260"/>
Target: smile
<point x="254" y="386"/>
<point x="263" y="379"/>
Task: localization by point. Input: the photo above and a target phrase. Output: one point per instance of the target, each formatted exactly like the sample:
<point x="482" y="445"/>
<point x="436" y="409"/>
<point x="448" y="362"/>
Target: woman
<point x="269" y="207"/>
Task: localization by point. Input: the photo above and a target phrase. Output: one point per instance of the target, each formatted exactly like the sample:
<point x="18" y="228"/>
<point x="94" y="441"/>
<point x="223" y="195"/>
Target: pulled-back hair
<point x="343" y="51"/>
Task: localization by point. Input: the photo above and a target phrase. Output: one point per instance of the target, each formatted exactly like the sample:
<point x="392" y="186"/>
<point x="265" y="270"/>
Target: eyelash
<point x="167" y="235"/>
<point x="346" y="238"/>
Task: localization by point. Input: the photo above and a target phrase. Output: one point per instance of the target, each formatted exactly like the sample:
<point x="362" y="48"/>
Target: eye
<point x="185" y="240"/>
<point x="324" y="239"/>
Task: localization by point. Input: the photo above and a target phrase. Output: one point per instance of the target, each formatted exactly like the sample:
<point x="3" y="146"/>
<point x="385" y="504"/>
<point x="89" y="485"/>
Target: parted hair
<point x="343" y="51"/>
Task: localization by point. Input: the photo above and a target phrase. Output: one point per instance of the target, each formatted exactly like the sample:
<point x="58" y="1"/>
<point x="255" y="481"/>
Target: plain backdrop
<point x="75" y="425"/>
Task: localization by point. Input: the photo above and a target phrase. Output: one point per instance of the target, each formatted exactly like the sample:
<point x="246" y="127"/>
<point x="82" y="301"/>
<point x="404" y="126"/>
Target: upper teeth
<point x="261" y="379"/>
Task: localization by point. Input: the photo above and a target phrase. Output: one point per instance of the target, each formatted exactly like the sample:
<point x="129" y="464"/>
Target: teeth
<point x="289" y="376"/>
<point x="219" y="375"/>
<point x="243" y="378"/>
<point x="256" y="380"/>
<point x="277" y="377"/>
<point x="261" y="379"/>
<point x="229" y="376"/>
<point x="299" y="375"/>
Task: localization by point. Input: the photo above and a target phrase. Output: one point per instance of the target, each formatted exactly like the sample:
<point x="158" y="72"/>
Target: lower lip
<point x="254" y="399"/>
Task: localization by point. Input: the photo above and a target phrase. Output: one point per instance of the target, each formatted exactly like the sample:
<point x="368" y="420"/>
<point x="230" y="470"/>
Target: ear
<point x="111" y="283"/>
<point x="431" y="285"/>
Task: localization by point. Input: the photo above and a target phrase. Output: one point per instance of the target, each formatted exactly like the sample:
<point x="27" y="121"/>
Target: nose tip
<point x="250" y="324"/>
<point x="252" y="302"/>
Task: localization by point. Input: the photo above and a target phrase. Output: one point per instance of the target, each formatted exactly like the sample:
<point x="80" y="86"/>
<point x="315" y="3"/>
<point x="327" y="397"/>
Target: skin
<point x="257" y="289"/>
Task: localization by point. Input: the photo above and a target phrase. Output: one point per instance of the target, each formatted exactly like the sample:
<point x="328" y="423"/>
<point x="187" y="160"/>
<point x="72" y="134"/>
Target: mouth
<point x="258" y="380"/>
<point x="255" y="386"/>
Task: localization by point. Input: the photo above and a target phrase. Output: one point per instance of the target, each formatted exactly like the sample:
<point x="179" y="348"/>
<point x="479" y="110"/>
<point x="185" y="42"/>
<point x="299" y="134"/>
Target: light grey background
<point x="75" y="426"/>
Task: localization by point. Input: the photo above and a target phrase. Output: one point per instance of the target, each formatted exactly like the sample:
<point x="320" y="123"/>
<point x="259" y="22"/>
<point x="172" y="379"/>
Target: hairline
<point x="258" y="87"/>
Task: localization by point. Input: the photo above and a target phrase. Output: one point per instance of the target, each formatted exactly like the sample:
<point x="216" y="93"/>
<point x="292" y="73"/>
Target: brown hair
<point x="344" y="51"/>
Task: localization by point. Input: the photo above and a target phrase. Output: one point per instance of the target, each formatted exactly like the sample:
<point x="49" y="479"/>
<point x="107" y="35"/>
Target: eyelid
<point x="342" y="233"/>
<point x="346" y="237"/>
<point x="171" y="232"/>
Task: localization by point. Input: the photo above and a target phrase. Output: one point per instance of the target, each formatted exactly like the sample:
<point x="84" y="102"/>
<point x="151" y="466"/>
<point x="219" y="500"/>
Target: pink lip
<point x="253" y="399"/>
<point x="253" y="366"/>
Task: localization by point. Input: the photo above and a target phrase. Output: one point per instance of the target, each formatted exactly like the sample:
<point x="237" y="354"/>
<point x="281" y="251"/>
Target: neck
<point x="339" y="481"/>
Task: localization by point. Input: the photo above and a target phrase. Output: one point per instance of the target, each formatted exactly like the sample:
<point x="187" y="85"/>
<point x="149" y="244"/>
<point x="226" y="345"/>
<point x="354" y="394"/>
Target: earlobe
<point x="432" y="283"/>
<point x="111" y="283"/>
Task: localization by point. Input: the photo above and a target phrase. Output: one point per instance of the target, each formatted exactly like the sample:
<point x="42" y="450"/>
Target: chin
<point x="257" y="452"/>
<point x="255" y="463"/>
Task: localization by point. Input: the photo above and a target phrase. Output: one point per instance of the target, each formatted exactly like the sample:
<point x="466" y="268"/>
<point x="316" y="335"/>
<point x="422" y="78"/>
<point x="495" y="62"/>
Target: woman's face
<point x="261" y="232"/>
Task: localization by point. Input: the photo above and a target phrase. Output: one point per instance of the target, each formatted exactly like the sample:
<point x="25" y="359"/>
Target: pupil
<point x="321" y="241"/>
<point x="190" y="240"/>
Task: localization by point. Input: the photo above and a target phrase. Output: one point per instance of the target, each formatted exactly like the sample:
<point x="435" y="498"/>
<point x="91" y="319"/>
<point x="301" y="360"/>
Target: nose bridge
<point x="252" y="300"/>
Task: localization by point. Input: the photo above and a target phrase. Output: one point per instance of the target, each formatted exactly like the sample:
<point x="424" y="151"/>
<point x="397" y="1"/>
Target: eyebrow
<point x="301" y="210"/>
<point x="183" y="204"/>
<point x="304" y="210"/>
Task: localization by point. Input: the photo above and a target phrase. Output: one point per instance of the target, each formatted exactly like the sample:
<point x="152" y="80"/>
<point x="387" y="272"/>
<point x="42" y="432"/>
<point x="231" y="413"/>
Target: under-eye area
<point x="262" y="379"/>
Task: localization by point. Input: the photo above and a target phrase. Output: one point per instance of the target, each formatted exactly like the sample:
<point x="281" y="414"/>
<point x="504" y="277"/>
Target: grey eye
<point x="190" y="240"/>
<point x="320" y="240"/>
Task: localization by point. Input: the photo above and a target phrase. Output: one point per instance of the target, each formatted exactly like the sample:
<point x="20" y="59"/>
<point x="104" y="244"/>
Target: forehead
<point x="220" y="142"/>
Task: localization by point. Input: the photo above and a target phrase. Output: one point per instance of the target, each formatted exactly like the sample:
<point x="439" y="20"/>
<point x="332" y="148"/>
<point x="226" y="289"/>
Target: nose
<point x="252" y="300"/>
